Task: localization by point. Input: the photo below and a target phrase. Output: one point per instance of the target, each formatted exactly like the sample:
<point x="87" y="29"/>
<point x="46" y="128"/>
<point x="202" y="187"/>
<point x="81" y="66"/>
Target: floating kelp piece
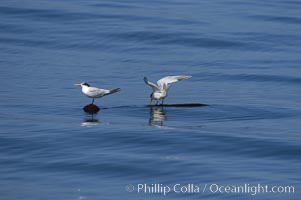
<point x="181" y="105"/>
<point x="91" y="108"/>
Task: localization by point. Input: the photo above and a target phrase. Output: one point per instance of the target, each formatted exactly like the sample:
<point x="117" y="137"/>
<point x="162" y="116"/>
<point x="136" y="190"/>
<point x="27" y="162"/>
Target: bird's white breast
<point x="159" y="95"/>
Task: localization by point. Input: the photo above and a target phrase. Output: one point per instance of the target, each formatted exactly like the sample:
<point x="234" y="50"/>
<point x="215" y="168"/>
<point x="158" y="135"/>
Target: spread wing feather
<point x="166" y="81"/>
<point x="152" y="85"/>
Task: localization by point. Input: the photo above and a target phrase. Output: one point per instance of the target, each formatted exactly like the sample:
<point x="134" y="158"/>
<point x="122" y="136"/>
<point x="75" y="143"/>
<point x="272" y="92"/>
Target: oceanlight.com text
<point x="213" y="188"/>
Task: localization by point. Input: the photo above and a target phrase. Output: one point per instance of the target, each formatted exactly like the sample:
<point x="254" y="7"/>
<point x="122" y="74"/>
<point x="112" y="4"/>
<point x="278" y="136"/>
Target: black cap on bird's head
<point x="151" y="95"/>
<point x="86" y="84"/>
<point x="151" y="98"/>
<point x="81" y="84"/>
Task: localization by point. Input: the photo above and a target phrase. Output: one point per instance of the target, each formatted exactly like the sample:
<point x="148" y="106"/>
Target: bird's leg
<point x="157" y="102"/>
<point x="93" y="101"/>
<point x="162" y="102"/>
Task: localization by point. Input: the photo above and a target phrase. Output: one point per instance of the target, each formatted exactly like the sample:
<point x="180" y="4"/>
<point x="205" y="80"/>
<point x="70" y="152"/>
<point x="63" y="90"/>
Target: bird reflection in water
<point x="90" y="121"/>
<point x="92" y="110"/>
<point x="157" y="116"/>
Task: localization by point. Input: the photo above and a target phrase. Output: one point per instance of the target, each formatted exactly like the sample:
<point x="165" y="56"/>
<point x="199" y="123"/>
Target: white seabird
<point x="94" y="92"/>
<point x="161" y="89"/>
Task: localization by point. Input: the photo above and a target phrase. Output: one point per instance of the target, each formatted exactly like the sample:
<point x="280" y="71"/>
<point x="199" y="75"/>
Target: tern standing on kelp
<point x="94" y="92"/>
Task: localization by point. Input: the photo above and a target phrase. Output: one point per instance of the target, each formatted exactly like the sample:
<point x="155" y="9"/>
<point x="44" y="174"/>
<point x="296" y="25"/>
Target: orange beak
<point x="77" y="84"/>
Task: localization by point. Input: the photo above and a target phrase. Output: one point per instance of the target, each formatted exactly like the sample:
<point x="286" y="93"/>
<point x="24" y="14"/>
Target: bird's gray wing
<point x="97" y="92"/>
<point x="152" y="85"/>
<point x="166" y="81"/>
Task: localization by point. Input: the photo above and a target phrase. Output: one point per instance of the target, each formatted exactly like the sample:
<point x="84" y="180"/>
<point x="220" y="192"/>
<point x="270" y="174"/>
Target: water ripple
<point x="177" y="39"/>
<point x="252" y="77"/>
<point x="281" y="19"/>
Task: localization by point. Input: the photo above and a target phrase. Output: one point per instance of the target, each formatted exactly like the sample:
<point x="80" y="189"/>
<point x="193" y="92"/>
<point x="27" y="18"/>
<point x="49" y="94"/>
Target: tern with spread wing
<point x="161" y="89"/>
<point x="93" y="92"/>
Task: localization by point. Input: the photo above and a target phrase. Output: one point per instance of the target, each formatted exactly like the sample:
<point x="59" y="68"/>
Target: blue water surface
<point x="244" y="58"/>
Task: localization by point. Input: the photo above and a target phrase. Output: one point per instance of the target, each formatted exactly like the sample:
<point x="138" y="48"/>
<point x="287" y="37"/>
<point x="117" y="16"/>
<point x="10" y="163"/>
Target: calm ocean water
<point x="244" y="58"/>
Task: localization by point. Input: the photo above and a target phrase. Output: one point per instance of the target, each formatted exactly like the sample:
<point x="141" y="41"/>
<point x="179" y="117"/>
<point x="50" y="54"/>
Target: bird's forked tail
<point x="113" y="91"/>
